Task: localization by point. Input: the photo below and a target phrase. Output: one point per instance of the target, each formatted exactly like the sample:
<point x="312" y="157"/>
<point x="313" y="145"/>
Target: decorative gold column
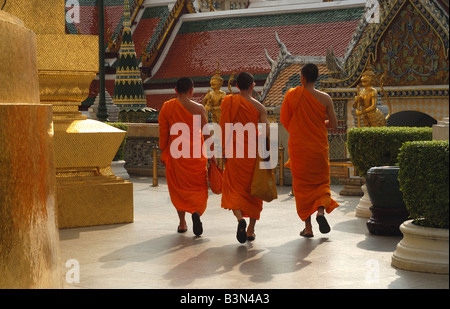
<point x="29" y="240"/>
<point x="88" y="192"/>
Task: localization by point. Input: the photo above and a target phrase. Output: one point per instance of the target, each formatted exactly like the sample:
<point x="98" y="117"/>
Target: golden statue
<point x="366" y="102"/>
<point x="213" y="99"/>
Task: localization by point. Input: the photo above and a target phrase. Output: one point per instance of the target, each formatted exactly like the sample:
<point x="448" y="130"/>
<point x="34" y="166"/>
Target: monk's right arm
<point x="263" y="119"/>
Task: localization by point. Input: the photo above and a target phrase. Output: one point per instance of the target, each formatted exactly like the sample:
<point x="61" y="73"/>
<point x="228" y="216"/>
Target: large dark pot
<point x="388" y="209"/>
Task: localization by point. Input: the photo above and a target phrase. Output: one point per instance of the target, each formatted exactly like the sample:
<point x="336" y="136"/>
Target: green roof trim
<point x="329" y="16"/>
<point x="161" y="12"/>
<point x="156" y="12"/>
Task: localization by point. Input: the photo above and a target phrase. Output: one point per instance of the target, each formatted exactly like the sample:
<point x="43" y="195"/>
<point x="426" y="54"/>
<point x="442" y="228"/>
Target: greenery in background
<point x="120" y="155"/>
<point x="379" y="146"/>
<point x="424" y="182"/>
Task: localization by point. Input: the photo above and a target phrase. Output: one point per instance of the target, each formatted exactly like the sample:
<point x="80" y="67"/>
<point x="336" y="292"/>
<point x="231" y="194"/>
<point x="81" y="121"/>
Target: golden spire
<point x="126" y="15"/>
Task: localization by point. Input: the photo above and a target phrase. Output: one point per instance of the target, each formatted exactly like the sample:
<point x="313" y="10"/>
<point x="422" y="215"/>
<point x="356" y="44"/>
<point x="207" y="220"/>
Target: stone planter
<point x="388" y="209"/>
<point x="363" y="207"/>
<point x="422" y="249"/>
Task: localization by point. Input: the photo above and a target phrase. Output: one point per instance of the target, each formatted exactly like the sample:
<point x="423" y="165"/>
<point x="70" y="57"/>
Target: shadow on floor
<point x="150" y="249"/>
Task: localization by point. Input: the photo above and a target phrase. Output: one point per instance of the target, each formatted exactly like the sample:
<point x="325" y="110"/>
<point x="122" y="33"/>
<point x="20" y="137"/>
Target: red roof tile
<point x="143" y="33"/>
<point x="89" y="23"/>
<point x="195" y="54"/>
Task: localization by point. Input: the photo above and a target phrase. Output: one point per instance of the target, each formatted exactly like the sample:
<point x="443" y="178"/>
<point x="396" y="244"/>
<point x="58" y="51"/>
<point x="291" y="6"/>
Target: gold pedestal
<point x="88" y="193"/>
<point x="29" y="240"/>
<point x="104" y="205"/>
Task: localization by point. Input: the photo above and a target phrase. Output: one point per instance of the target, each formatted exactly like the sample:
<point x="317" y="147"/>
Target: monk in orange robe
<point x="181" y="142"/>
<point x="240" y="110"/>
<point x="306" y="113"/>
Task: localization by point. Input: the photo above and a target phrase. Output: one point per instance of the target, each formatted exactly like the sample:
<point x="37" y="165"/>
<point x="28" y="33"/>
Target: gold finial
<point x="217" y="75"/>
<point x="369" y="72"/>
<point x="369" y="69"/>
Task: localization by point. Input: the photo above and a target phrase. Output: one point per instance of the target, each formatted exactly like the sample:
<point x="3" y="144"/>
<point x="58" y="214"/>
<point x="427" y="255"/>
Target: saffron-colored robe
<point x="238" y="172"/>
<point x="304" y="118"/>
<point x="186" y="176"/>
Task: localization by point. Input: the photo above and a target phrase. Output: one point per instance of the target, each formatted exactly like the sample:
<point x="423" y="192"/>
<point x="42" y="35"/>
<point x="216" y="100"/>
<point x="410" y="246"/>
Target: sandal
<point x="197" y="224"/>
<point x="241" y="233"/>
<point x="181" y="231"/>
<point x="251" y="237"/>
<point x="302" y="233"/>
<point x="323" y="224"/>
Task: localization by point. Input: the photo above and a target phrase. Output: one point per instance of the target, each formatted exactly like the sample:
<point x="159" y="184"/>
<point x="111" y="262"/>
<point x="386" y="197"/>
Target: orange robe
<point x="238" y="172"/>
<point x="186" y="176"/>
<point x="304" y="118"/>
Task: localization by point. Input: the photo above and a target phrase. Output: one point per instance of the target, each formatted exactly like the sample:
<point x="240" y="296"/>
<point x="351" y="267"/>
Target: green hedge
<point x="120" y="155"/>
<point x="424" y="182"/>
<point x="379" y="146"/>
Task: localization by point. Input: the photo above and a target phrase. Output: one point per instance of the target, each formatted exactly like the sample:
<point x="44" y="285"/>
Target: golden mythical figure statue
<point x="366" y="102"/>
<point x="213" y="99"/>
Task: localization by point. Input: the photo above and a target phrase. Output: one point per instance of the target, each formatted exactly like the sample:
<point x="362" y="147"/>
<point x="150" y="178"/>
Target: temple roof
<point x="240" y="42"/>
<point x="239" y="39"/>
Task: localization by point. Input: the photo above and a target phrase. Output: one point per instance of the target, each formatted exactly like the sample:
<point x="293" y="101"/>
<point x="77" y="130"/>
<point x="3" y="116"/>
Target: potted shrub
<point x="374" y="151"/>
<point x="120" y="152"/>
<point x="424" y="183"/>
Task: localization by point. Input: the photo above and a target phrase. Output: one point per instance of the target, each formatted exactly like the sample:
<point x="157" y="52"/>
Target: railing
<point x="222" y="5"/>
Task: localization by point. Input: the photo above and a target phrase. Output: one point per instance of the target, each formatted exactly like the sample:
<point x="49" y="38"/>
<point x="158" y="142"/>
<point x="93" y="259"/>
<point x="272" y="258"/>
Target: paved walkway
<point x="150" y="254"/>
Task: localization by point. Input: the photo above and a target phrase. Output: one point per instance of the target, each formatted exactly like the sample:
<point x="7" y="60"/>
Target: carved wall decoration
<point x="412" y="52"/>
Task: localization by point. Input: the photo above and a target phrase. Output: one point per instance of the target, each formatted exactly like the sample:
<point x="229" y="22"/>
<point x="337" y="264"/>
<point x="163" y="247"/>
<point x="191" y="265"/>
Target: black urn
<point x="388" y="209"/>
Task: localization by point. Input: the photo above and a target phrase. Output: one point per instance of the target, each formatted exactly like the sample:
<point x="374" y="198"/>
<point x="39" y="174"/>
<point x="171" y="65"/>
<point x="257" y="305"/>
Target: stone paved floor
<point x="150" y="254"/>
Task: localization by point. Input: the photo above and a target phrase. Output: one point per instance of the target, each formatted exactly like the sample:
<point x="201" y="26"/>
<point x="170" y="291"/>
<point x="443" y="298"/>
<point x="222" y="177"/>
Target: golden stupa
<point x="88" y="192"/>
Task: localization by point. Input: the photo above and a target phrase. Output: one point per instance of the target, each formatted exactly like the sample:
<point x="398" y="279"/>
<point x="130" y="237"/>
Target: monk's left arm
<point x="163" y="130"/>
<point x="331" y="122"/>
